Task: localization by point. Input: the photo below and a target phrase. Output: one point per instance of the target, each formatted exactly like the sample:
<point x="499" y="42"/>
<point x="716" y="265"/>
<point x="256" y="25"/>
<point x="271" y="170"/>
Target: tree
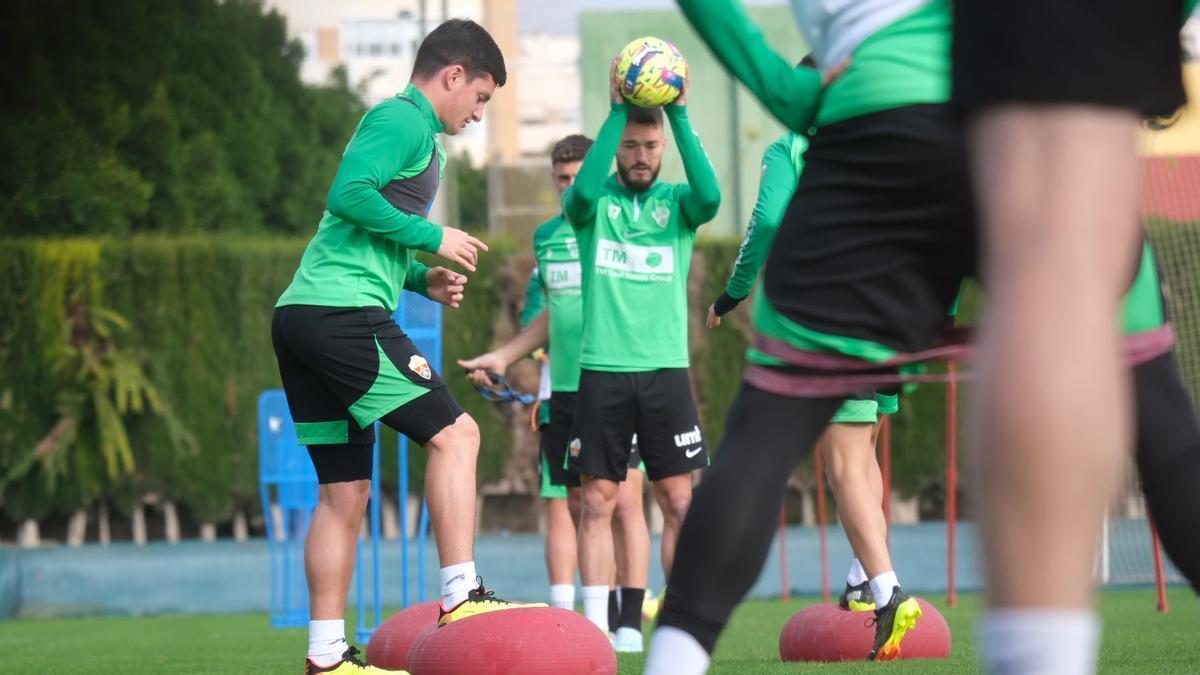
<point x="126" y="116"/>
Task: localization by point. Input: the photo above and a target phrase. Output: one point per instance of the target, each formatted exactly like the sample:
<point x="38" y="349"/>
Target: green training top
<point x="374" y="222"/>
<point x="636" y="249"/>
<point x="1142" y="308"/>
<point x="535" y="298"/>
<point x="781" y="166"/>
<point x="559" y="273"/>
<point x="903" y="63"/>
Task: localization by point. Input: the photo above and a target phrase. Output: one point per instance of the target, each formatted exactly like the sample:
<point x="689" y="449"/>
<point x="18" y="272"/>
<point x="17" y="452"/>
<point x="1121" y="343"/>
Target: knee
<point x="840" y="465"/>
<point x="629" y="507"/>
<point x="675" y="504"/>
<point x="347" y="500"/>
<point x="462" y="437"/>
<point x="596" y="502"/>
<point x="624" y="511"/>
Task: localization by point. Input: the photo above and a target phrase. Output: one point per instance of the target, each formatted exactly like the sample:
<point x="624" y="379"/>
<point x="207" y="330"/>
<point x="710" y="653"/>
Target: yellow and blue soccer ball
<point x="651" y="71"/>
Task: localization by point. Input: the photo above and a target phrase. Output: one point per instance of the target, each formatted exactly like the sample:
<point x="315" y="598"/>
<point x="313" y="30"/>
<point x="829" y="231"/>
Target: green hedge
<point x="199" y="317"/>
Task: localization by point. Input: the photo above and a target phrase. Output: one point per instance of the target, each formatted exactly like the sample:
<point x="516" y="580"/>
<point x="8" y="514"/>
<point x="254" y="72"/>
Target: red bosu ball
<point x="524" y="641"/>
<point x="830" y="633"/>
<point x="393" y="638"/>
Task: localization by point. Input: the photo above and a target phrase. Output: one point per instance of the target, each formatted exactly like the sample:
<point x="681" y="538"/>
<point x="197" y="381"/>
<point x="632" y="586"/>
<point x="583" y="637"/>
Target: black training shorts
<point x="1118" y="53"/>
<point x="342" y="369"/>
<point x="655" y="405"/>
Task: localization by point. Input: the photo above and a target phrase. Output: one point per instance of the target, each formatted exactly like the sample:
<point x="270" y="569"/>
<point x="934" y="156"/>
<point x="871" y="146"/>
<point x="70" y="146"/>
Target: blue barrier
<point x="421" y="320"/>
<point x="288" y="487"/>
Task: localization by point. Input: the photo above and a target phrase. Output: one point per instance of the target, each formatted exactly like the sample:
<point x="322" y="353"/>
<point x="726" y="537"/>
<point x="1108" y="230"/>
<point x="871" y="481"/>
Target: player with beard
<point x="554" y="313"/>
<point x="635" y="236"/>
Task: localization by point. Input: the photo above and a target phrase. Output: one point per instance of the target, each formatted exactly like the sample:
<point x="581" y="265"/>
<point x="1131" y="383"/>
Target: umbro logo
<point x="687" y="438"/>
<point x="613" y="211"/>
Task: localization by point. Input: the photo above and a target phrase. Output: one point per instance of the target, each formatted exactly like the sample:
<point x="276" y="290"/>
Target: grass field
<point x="1137" y="639"/>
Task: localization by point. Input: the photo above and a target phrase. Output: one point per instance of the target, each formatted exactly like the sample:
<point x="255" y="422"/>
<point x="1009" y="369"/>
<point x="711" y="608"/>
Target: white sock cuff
<point x="675" y="652"/>
<point x="326" y="638"/>
<point x="562" y="596"/>
<point x="1039" y="641"/>
<point x="458" y="576"/>
<point x="882" y="587"/>
<point x="857" y="574"/>
<point x="594" y="592"/>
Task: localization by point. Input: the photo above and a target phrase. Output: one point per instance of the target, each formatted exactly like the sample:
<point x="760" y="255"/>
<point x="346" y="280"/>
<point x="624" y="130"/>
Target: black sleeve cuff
<point x="725" y="304"/>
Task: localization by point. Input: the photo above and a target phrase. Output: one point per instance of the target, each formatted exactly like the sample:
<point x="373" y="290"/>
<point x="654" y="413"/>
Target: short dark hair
<point x="651" y="117"/>
<point x="460" y="42"/>
<point x="570" y="149"/>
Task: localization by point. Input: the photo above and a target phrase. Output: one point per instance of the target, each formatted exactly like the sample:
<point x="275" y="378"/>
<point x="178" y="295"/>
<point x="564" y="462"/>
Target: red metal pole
<point x="820" y="468"/>
<point x="951" y="485"/>
<point x="1160" y="577"/>
<point x="783" y="562"/>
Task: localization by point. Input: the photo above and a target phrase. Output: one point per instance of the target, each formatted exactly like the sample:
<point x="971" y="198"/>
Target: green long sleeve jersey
<point x="895" y="60"/>
<point x="635" y="251"/>
<point x="559" y="273"/>
<point x="782" y="163"/>
<point x="363" y="253"/>
<point x="898" y="50"/>
<point x="535" y="297"/>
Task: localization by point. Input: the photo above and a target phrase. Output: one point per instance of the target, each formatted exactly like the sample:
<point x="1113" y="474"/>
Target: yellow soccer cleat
<point x="481" y="601"/>
<point x="349" y="665"/>
<point x="891" y="623"/>
<point x="650" y="606"/>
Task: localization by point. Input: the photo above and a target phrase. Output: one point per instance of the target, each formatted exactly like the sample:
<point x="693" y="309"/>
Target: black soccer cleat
<point x="891" y="623"/>
<point x="857" y="598"/>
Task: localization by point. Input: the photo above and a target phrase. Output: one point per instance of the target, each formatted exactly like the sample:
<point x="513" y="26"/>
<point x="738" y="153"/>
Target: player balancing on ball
<point x="848" y="443"/>
<point x="343" y="361"/>
<point x="635" y="236"/>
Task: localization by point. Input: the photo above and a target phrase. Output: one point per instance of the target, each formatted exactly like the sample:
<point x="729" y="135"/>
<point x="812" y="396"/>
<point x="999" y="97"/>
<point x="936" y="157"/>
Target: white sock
<point x="326" y="641"/>
<point x="857" y="574"/>
<point x="457" y="581"/>
<point x="595" y="605"/>
<point x="562" y="596"/>
<point x="674" y="652"/>
<point x="1039" y="641"/>
<point x="881" y="588"/>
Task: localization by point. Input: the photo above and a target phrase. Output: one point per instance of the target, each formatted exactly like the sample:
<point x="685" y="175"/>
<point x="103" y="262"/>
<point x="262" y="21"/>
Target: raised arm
<point x="791" y="94"/>
<point x="701" y="197"/>
<point x="384" y="143"/>
<point x="579" y="201"/>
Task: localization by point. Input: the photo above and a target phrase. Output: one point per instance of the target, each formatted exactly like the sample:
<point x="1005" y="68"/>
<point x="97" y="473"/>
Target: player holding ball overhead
<point x="635" y="235"/>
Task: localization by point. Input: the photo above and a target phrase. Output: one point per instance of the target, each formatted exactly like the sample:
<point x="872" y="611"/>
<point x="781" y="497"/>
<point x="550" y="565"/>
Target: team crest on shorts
<point x="575" y="447"/>
<point x="420" y="366"/>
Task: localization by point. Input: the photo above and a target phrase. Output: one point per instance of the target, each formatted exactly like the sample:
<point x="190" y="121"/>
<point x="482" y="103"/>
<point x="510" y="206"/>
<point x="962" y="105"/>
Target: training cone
<point x="390" y="643"/>
<point x="523" y="641"/>
<point x="830" y="633"/>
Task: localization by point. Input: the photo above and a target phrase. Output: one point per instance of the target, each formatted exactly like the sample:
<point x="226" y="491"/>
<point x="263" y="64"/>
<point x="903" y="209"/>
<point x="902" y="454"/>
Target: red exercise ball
<point x="393" y="638"/>
<point x="830" y="633"/>
<point x="524" y="641"/>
